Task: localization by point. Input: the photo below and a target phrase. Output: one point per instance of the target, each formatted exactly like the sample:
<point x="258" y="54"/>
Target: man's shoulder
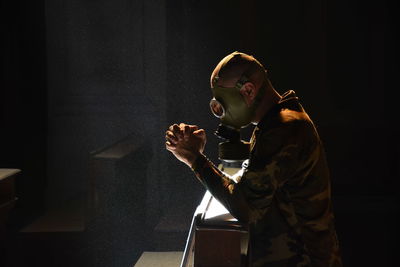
<point x="289" y="127"/>
<point x="289" y="120"/>
<point x="290" y="116"/>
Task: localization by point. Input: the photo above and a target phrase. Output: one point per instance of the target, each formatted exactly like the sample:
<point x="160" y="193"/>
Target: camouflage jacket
<point x="284" y="193"/>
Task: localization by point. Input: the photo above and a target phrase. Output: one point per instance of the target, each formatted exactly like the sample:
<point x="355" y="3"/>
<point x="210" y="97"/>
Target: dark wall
<point x="23" y="102"/>
<point x="106" y="69"/>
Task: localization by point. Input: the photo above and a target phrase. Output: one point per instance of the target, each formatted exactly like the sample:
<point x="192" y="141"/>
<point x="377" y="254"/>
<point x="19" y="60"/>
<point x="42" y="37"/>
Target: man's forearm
<point x="221" y="187"/>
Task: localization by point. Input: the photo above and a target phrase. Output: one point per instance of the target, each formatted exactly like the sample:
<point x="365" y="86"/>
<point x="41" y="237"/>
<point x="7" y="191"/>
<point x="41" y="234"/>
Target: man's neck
<point x="270" y="99"/>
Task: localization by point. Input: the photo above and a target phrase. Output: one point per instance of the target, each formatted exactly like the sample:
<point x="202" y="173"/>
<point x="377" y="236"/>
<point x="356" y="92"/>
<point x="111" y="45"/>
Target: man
<point x="284" y="191"/>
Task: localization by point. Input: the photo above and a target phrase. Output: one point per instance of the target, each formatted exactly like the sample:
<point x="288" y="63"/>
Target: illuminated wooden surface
<point x="159" y="259"/>
<point x="216" y="238"/>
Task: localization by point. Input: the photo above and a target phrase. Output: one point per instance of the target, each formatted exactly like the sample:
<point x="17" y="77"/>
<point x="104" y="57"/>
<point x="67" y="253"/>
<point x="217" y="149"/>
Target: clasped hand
<point x="186" y="142"/>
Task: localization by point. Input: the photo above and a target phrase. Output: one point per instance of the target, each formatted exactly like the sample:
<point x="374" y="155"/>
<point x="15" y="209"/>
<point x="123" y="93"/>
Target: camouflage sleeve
<point x="221" y="187"/>
<point x="273" y="160"/>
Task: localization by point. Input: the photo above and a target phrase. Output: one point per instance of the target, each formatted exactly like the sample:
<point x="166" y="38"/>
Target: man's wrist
<point x="198" y="162"/>
<point x="192" y="159"/>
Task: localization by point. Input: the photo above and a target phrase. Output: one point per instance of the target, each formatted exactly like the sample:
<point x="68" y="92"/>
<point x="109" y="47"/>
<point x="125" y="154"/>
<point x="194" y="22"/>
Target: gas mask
<point x="230" y="107"/>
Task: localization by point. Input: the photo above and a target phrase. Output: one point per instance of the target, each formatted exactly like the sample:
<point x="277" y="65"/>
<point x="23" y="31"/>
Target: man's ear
<point x="249" y="92"/>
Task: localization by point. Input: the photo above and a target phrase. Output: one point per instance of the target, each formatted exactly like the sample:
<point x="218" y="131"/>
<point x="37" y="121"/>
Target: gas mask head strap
<point x="253" y="66"/>
<point x="244" y="78"/>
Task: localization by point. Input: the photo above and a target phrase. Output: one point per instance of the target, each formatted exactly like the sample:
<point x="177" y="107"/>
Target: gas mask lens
<point x="217" y="108"/>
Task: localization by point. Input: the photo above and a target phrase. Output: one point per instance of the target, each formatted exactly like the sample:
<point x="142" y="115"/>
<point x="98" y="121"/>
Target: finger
<point x="200" y="133"/>
<point x="193" y="128"/>
<point x="172" y="140"/>
<point x="169" y="136"/>
<point x="177" y="131"/>
<point x="169" y="146"/>
<point x="172" y="127"/>
<point x="186" y="131"/>
<point x="188" y="128"/>
<point x="169" y="132"/>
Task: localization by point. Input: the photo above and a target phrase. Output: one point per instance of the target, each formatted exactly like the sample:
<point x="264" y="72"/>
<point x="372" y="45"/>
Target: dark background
<point x="80" y="76"/>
